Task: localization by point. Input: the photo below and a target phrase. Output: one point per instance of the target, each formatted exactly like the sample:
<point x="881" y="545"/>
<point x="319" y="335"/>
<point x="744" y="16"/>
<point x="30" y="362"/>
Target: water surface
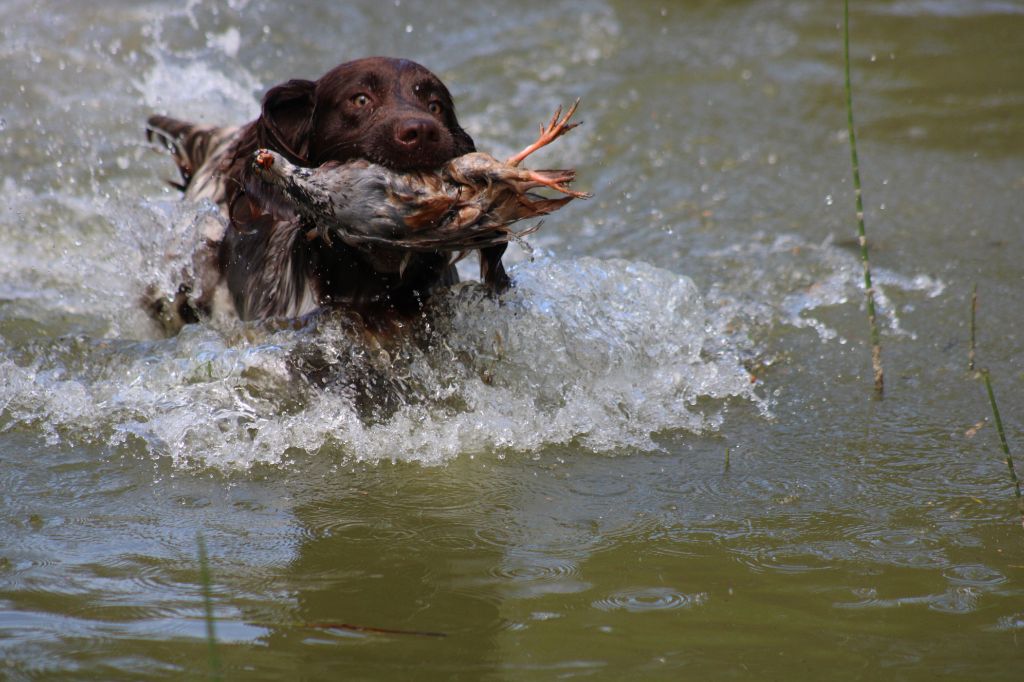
<point x="658" y="457"/>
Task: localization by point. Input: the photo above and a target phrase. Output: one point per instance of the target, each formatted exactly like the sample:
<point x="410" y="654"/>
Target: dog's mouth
<point x="403" y="146"/>
<point x="410" y="161"/>
<point x="401" y="161"/>
<point x="408" y="148"/>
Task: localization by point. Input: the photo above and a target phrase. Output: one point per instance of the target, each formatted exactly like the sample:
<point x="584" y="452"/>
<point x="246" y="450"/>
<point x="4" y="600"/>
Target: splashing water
<point x="600" y="354"/>
<point x="604" y="353"/>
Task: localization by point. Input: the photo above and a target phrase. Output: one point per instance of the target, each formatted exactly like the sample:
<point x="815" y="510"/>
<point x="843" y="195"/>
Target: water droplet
<point x="828" y="199"/>
<point x="408" y="28"/>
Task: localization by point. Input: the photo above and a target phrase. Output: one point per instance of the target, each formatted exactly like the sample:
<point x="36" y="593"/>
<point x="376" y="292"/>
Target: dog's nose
<point x="417" y="133"/>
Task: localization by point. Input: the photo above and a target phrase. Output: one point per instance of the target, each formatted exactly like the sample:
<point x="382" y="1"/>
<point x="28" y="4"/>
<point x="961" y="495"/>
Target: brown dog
<point x="260" y="262"/>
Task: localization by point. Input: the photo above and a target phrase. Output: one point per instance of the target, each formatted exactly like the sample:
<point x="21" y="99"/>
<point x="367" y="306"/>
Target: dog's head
<point x="393" y="112"/>
<point x="390" y="111"/>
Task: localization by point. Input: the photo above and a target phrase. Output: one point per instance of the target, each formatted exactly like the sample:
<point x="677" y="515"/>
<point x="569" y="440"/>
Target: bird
<point x="468" y="203"/>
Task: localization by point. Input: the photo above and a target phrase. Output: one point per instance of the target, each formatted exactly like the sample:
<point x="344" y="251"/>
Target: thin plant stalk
<point x="974" y="313"/>
<point x="211" y="636"/>
<point x="1002" y="441"/>
<point x="876" y="343"/>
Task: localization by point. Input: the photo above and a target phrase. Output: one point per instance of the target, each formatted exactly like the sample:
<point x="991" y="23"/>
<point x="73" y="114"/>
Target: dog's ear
<point x="287" y="118"/>
<point x="463" y="142"/>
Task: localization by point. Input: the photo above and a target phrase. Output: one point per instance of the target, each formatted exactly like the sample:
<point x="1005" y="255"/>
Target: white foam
<point x="227" y="42"/>
<point x="596" y="352"/>
<point x="801" y="278"/>
<point x="195" y="91"/>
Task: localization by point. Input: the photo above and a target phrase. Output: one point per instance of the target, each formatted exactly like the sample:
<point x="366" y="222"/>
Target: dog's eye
<point x="360" y="100"/>
<point x="434" y="107"/>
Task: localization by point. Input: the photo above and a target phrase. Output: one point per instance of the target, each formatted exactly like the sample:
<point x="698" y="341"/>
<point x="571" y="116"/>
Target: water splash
<point x="599" y="353"/>
<point x="212" y="96"/>
<point x="795" y="279"/>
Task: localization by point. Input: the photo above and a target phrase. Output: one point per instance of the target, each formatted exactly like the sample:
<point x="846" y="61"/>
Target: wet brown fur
<point x="259" y="262"/>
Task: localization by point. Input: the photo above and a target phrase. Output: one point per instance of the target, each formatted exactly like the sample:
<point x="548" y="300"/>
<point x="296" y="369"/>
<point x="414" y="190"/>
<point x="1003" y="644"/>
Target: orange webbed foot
<point x="548" y="134"/>
<point x="557" y="183"/>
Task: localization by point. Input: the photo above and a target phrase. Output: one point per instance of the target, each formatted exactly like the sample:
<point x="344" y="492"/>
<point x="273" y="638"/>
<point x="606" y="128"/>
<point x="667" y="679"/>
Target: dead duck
<point x="469" y="203"/>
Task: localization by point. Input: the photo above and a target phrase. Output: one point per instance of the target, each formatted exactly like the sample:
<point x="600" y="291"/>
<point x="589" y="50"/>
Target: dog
<point x="260" y="260"/>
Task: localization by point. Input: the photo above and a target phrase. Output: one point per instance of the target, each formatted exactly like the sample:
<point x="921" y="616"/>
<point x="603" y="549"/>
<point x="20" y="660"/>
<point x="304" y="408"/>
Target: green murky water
<point x="551" y="495"/>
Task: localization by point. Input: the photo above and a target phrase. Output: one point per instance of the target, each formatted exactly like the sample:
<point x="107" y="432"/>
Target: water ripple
<point x="902" y="547"/>
<point x="642" y="599"/>
<point x="954" y="600"/>
<point x="974" y="575"/>
<point x="531" y="575"/>
<point x="1011" y="623"/>
<point x="536" y="568"/>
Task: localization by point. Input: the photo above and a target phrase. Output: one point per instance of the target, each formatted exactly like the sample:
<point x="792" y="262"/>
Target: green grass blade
<point x="1002" y="441"/>
<point x="876" y="343"/>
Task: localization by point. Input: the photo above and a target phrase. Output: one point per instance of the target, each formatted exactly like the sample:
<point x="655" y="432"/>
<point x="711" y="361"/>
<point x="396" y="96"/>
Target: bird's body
<point x="469" y="203"/>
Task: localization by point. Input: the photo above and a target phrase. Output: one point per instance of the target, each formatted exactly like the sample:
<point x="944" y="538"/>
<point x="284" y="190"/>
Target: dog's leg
<point x="492" y="272"/>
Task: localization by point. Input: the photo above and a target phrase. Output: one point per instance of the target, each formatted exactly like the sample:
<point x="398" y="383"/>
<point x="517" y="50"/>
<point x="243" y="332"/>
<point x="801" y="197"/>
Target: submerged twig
<point x="211" y="636"/>
<point x="876" y="344"/>
<point x="1002" y="441"/>
<point x="369" y="629"/>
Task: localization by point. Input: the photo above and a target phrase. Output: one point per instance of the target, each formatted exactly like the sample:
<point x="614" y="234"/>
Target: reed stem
<point x="1002" y="441"/>
<point x="974" y="313"/>
<point x="211" y="636"/>
<point x="876" y="343"/>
